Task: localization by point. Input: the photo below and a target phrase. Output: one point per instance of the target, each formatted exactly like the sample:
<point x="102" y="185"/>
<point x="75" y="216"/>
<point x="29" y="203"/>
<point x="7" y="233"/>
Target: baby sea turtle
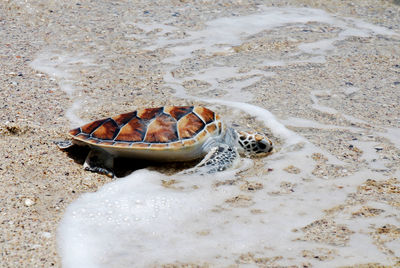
<point x="170" y="133"/>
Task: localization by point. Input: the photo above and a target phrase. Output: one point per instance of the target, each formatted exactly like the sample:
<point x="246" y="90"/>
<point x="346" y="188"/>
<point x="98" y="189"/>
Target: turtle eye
<point x="262" y="146"/>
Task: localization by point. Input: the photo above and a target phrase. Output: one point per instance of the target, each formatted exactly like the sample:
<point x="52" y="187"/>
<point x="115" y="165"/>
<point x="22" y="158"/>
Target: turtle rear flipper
<point x="63" y="145"/>
<point x="219" y="158"/>
<point x="100" y="162"/>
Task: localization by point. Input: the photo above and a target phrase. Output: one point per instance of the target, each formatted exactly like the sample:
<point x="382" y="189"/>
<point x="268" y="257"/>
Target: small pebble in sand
<point x="251" y="186"/>
<point x="29" y="202"/>
<point x="292" y="169"/>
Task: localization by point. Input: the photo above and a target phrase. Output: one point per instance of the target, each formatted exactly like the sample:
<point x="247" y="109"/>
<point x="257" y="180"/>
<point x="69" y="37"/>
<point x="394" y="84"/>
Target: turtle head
<point x="254" y="143"/>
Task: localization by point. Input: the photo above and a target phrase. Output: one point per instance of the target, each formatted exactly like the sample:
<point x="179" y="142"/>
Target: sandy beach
<point x="66" y="63"/>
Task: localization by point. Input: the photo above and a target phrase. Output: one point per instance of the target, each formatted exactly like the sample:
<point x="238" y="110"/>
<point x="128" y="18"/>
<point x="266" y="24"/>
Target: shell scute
<point x="189" y="142"/>
<point x="122" y="144"/>
<point x="162" y="129"/>
<point x="189" y="125"/>
<point x="140" y="145"/>
<point x="106" y="131"/>
<point x="122" y="119"/>
<point x="134" y="131"/>
<point x="157" y="145"/>
<point x="176" y="145"/>
<point x="220" y="127"/>
<point x="201" y="135"/>
<point x="178" y="112"/>
<point x="75" y="131"/>
<point x="211" y="128"/>
<point x="149" y="113"/>
<point x="90" y="127"/>
<point x="205" y="114"/>
<point x="82" y="136"/>
<point x="104" y="142"/>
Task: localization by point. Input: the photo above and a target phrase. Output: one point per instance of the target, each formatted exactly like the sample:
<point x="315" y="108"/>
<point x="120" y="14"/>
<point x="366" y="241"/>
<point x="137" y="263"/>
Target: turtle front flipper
<point x="220" y="158"/>
<point x="100" y="162"/>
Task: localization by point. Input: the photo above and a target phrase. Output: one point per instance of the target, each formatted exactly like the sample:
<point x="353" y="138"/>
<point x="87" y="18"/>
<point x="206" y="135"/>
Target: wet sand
<point x="37" y="181"/>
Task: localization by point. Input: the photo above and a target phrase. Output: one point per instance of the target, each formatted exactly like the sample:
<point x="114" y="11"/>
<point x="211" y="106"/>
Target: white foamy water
<point x="224" y="33"/>
<point x="233" y="79"/>
<point x="137" y="222"/>
<point x="301" y="122"/>
<point x="62" y="67"/>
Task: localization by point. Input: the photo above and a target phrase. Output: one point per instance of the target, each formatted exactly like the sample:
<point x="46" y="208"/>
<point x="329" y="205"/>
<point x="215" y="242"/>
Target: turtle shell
<point x="168" y="128"/>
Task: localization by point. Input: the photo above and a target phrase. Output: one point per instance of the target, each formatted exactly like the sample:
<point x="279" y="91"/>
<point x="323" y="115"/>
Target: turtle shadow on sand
<point x="125" y="166"/>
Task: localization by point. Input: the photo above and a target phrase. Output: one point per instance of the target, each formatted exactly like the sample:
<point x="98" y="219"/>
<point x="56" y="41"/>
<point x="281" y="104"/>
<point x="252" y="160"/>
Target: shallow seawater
<point x="63" y="68"/>
<point x="269" y="210"/>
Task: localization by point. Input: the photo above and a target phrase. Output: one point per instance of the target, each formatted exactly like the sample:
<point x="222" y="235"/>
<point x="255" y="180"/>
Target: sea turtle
<point x="170" y="133"/>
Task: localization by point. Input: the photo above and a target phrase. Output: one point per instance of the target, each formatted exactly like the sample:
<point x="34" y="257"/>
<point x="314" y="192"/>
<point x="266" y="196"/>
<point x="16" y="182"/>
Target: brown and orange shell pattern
<point x="164" y="127"/>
